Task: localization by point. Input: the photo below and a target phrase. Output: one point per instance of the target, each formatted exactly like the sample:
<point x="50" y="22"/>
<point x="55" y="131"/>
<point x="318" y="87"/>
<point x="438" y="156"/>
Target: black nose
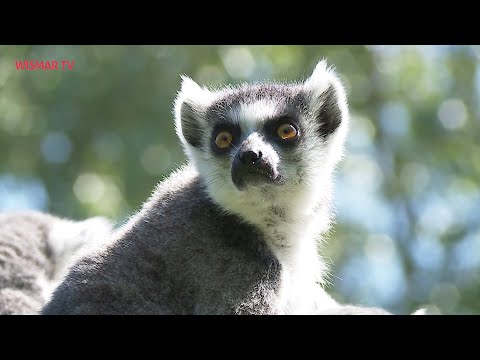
<point x="250" y="157"/>
<point x="252" y="167"/>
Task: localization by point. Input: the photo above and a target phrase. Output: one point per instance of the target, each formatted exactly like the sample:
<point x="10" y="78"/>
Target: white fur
<point x="66" y="239"/>
<point x="421" y="312"/>
<point x="320" y="79"/>
<point x="253" y="114"/>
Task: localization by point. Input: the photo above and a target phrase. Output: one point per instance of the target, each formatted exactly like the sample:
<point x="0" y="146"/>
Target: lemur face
<point x="257" y="133"/>
<point x="266" y="137"/>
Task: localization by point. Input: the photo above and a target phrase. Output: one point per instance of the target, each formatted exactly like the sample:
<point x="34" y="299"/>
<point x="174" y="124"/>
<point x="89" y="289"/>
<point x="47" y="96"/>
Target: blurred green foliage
<point x="96" y="140"/>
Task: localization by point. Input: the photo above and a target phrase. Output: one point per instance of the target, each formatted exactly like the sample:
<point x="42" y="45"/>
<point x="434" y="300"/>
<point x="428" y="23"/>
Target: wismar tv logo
<point x="45" y="65"/>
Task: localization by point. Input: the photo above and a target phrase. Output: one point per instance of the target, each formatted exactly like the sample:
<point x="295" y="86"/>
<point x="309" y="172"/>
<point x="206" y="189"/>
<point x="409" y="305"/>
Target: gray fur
<point x="30" y="262"/>
<point x="155" y="266"/>
<point x="289" y="97"/>
<point x="24" y="254"/>
<point x="202" y="245"/>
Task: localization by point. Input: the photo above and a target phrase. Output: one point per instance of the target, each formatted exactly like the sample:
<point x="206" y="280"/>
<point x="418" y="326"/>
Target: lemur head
<point x="265" y="144"/>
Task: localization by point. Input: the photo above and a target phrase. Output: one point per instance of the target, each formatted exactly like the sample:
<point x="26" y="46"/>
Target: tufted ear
<point x="326" y="99"/>
<point x="189" y="110"/>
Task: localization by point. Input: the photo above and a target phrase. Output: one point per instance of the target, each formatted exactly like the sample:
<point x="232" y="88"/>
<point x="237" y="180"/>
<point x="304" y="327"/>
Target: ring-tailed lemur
<point x="35" y="251"/>
<point x="236" y="230"/>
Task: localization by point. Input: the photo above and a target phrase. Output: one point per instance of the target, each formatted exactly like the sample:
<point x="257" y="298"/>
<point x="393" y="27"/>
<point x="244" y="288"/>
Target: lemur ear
<point x="326" y="99"/>
<point x="189" y="109"/>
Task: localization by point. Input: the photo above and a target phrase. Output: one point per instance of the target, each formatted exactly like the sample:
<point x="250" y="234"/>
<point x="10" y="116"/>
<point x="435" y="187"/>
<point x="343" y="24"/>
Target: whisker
<point x="233" y="145"/>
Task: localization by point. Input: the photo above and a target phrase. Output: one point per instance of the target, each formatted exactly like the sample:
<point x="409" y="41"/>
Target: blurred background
<point x="96" y="140"/>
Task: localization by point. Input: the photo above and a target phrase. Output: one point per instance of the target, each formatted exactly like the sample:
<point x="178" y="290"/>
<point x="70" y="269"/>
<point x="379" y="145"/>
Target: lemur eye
<point x="287" y="131"/>
<point x="223" y="139"/>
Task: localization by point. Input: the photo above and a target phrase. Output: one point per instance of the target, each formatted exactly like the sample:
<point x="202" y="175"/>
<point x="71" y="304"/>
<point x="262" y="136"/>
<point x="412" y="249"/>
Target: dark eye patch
<point x="271" y="130"/>
<point x="233" y="129"/>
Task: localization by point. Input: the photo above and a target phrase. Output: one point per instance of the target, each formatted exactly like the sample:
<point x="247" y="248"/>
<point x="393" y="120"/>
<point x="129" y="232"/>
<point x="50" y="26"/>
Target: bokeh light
<point x="56" y="147"/>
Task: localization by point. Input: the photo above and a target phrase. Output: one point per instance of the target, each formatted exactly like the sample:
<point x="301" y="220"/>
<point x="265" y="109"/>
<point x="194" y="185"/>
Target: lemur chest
<point x="297" y="280"/>
<point x="291" y="237"/>
<point x="301" y="269"/>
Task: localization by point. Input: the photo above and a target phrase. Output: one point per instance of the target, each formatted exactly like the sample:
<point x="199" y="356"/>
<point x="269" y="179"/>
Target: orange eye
<point x="223" y="139"/>
<point x="287" y="131"/>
